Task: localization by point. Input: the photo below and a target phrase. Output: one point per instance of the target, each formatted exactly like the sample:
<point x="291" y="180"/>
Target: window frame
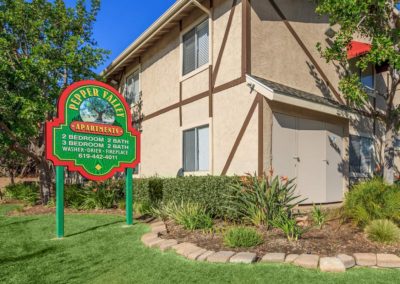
<point x="196" y="129"/>
<point x="371" y="90"/>
<point x="371" y="169"/>
<point x="185" y="31"/>
<point x="131" y="74"/>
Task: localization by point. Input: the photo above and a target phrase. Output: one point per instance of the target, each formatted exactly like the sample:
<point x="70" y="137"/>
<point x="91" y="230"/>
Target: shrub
<point x="208" y="191"/>
<point x="289" y="227"/>
<point x="75" y="196"/>
<point x="242" y="237"/>
<point x="259" y="200"/>
<point x="319" y="216"/>
<point x="372" y="200"/>
<point x="28" y="192"/>
<point x="191" y="216"/>
<point x="148" y="191"/>
<point x="383" y="231"/>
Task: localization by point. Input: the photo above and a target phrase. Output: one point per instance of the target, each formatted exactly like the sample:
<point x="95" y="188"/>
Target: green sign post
<point x="92" y="135"/>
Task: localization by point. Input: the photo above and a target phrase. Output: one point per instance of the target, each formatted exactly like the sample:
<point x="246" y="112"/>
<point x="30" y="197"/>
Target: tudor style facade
<point x="230" y="87"/>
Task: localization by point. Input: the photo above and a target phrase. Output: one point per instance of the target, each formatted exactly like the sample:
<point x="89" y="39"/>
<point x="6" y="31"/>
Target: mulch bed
<point x="334" y="238"/>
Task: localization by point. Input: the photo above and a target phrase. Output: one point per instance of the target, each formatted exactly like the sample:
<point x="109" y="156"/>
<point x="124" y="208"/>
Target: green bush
<point x="75" y="196"/>
<point x="383" y="231"/>
<point x="318" y="216"/>
<point x="28" y="192"/>
<point x="207" y="191"/>
<point x="242" y="237"/>
<point x="371" y="200"/>
<point x="191" y="216"/>
<point x="289" y="227"/>
<point x="259" y="200"/>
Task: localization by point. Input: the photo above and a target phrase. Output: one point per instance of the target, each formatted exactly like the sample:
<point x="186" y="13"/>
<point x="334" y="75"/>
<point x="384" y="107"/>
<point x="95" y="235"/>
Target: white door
<point x="311" y="166"/>
<point x="310" y="151"/>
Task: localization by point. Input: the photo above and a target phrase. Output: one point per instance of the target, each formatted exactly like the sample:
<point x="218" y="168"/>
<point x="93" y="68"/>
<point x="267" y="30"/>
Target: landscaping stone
<point x="331" y="264"/>
<point x="347" y="260"/>
<point x="274" y="257"/>
<point x="156" y="224"/>
<point x="388" y="260"/>
<point x="149" y="236"/>
<point x="291" y="257"/>
<point x="185" y="248"/>
<point x="243" y="257"/>
<point x="167" y="244"/>
<point x="221" y="256"/>
<point x="195" y="254"/>
<point x="154" y="242"/>
<point x="204" y="256"/>
<point x="307" y="261"/>
<point x="159" y="229"/>
<point x="365" y="259"/>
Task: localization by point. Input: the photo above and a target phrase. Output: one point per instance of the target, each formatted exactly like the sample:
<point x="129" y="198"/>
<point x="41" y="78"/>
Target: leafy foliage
<point x="371" y="200"/>
<point x="260" y="200"/>
<point x="44" y="46"/>
<point x="245" y="237"/>
<point x="383" y="231"/>
<point x="208" y="191"/>
<point x="319" y="216"/>
<point x="378" y="22"/>
<point x="289" y="227"/>
<point x="191" y="216"/>
<point x="28" y="192"/>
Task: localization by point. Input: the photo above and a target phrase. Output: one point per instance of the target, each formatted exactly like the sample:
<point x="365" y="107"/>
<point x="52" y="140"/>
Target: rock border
<point x="339" y="263"/>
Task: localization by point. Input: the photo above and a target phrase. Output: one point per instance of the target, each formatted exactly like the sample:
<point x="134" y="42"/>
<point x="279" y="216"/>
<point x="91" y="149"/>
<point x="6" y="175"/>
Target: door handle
<point x="296" y="158"/>
<point x="326" y="161"/>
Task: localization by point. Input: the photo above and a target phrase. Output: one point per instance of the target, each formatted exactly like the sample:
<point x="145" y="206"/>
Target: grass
<point x="97" y="249"/>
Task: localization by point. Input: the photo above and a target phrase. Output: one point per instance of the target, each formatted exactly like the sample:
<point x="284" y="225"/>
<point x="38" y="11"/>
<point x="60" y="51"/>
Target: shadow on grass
<point x="23" y="222"/>
<point x="35" y="254"/>
<point x="93" y="228"/>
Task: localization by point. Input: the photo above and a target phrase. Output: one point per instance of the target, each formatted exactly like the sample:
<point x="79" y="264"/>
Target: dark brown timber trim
<point x="244" y="36"/>
<point x="240" y="135"/>
<point x="304" y="48"/>
<point x="180" y="104"/>
<point x="210" y="92"/>
<point x="200" y="96"/>
<point x="224" y="40"/>
<point x="260" y="134"/>
<point x="176" y="105"/>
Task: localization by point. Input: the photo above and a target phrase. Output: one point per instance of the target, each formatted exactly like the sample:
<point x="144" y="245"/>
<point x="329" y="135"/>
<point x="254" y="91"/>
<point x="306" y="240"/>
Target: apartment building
<point x="232" y="87"/>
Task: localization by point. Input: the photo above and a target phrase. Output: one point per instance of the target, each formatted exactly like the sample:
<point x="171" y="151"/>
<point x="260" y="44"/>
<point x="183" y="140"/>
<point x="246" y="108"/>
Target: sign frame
<point x="60" y="165"/>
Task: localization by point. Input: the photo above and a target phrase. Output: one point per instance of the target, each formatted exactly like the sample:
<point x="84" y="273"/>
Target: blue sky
<point x="120" y="22"/>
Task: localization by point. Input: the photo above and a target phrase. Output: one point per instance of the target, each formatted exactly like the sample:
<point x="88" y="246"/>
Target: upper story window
<point x="196" y="149"/>
<point x="367" y="77"/>
<point x="132" y="89"/>
<point x="195" y="47"/>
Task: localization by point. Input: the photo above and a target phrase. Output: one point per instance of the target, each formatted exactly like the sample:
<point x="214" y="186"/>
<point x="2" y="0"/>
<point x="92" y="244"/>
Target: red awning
<point x="356" y="48"/>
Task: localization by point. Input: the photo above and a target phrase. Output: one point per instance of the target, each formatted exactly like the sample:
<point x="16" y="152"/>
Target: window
<point x="195" y="149"/>
<point x="195" y="48"/>
<point x="367" y="77"/>
<point x="361" y="155"/>
<point x="131" y="93"/>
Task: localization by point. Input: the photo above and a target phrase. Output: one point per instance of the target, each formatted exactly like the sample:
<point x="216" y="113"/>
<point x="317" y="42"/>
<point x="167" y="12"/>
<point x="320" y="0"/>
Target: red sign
<point x="92" y="133"/>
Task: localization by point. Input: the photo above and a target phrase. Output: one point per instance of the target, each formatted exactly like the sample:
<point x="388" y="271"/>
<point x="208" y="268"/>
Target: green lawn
<point x="97" y="249"/>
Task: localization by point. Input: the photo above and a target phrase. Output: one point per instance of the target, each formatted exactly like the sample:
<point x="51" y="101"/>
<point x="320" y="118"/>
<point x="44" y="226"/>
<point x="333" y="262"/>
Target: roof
<point x="159" y="28"/>
<point x="292" y="92"/>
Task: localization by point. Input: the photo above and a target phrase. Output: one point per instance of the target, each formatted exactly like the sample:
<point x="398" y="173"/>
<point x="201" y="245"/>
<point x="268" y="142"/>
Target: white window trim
<point x="210" y="146"/>
<point x="185" y="31"/>
<point x="134" y="70"/>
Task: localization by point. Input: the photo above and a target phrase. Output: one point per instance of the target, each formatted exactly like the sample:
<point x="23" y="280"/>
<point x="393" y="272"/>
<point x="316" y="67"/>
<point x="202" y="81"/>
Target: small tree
<point x="378" y="22"/>
<point x="44" y="46"/>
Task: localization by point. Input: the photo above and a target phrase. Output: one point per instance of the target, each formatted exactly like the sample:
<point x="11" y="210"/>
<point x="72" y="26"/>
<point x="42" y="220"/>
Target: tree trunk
<point x="45" y="179"/>
<point x="388" y="161"/>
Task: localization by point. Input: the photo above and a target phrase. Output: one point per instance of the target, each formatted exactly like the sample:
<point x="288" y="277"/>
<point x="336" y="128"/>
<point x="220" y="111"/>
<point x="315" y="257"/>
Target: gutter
<point x="148" y="34"/>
